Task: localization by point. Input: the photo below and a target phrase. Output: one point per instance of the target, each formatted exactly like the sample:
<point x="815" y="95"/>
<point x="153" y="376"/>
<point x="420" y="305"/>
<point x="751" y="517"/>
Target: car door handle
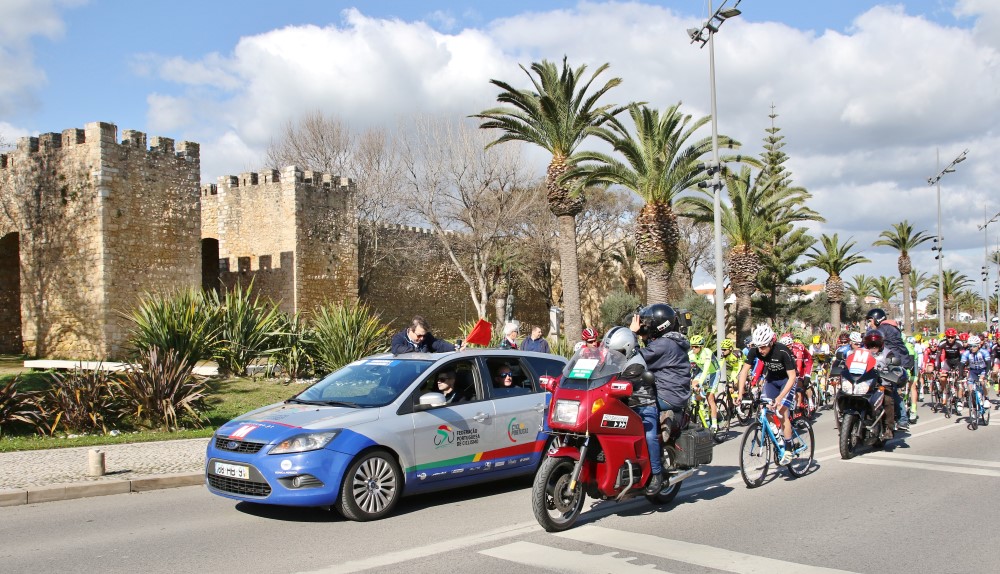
<point x="480" y="417"/>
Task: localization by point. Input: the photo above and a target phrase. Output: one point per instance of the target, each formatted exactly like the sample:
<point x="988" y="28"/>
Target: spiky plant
<point x="18" y="406"/>
<point x="885" y="289"/>
<point x="834" y="258"/>
<point x="159" y="389"/>
<point x="294" y="346"/>
<point x="346" y="332"/>
<point x="247" y="325"/>
<point x="918" y="282"/>
<point x="557" y="115"/>
<point x="184" y="321"/>
<point x="861" y="287"/>
<point x="80" y="401"/>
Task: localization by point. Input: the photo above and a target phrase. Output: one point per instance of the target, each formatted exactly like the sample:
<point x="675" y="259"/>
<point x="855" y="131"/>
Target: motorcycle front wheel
<point x="555" y="507"/>
<point x="850" y="428"/>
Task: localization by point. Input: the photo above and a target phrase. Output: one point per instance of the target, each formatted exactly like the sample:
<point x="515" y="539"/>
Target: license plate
<point x="232" y="470"/>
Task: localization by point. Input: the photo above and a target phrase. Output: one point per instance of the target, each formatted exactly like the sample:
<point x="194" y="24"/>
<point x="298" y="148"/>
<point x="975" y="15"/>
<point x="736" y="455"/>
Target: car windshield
<point x="364" y="383"/>
<point x="592" y="367"/>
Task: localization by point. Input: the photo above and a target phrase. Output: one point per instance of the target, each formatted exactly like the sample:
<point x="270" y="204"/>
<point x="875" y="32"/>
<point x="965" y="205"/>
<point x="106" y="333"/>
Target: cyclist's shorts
<point x="772" y="389"/>
<point x="974" y="377"/>
<point x="948" y="366"/>
<point x="929" y="368"/>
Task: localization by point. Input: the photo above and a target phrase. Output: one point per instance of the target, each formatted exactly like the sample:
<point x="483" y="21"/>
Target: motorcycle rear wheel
<point x="850" y="427"/>
<point x="554" y="507"/>
<point x="755" y="458"/>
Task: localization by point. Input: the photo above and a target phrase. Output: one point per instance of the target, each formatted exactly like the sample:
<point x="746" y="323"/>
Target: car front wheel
<point x="371" y="487"/>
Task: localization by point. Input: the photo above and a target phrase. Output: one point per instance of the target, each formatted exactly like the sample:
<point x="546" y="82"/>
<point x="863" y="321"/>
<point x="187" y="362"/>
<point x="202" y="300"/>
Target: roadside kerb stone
<point x="167" y="481"/>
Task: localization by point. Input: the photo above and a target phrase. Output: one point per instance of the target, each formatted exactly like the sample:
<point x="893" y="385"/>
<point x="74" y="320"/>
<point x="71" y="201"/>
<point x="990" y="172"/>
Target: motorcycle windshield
<point x="592" y="367"/>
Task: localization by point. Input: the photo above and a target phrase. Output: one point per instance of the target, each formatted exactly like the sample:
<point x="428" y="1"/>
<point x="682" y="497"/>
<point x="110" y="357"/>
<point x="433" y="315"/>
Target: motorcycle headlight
<point x="566" y="412"/>
<point x="304" y="442"/>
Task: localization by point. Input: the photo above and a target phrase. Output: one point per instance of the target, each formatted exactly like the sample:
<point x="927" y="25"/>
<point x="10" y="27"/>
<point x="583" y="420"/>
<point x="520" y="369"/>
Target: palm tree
<point x="953" y="284"/>
<point x="861" y="287"/>
<point x="556" y="116"/>
<point x="658" y="166"/>
<point x="885" y="289"/>
<point x="753" y="210"/>
<point x="903" y="239"/>
<point x="918" y="282"/>
<point x="834" y="259"/>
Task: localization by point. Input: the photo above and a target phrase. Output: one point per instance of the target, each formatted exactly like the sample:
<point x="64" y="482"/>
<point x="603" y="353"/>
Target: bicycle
<point x="979" y="408"/>
<point x="748" y="404"/>
<point x="701" y="412"/>
<point x="760" y="445"/>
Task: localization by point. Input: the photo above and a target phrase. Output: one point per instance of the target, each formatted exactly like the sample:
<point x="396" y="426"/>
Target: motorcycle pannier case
<point x="694" y="447"/>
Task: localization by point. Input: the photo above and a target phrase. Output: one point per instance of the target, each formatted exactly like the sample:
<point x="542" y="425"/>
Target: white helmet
<point x="911" y="340"/>
<point x="786" y="340"/>
<point x="621" y="339"/>
<point x="856" y="337"/>
<point x="762" y="335"/>
<point x="974" y="341"/>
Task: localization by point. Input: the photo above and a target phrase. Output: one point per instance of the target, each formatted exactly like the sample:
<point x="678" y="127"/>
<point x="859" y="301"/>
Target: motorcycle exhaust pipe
<point x="681" y="476"/>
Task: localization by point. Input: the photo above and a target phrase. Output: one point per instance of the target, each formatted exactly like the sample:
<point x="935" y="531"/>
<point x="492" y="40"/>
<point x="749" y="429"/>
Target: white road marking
<point x="923" y="466"/>
<point x="541" y="557"/>
<point x="699" y="554"/>
<point x="940" y="459"/>
<point x="430" y="549"/>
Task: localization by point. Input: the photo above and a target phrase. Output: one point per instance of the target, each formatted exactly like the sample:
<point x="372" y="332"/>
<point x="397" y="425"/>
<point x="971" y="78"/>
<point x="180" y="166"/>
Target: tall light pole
<point x="936" y="180"/>
<point x="986" y="267"/>
<point x="703" y="35"/>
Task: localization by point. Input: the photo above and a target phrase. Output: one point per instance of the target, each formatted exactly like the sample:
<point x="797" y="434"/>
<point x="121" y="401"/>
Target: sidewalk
<point x="28" y="477"/>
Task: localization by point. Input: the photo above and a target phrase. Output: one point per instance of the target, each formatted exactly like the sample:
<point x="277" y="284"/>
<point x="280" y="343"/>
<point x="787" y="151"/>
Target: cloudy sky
<point x="866" y="92"/>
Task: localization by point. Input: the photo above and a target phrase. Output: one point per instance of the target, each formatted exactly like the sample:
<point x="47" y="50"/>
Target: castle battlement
<point x="288" y="174"/>
<point x="102" y="133"/>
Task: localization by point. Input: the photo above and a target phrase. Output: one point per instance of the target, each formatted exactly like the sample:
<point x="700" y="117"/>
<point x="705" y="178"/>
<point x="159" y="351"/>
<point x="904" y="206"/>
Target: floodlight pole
<point x="936" y="180"/>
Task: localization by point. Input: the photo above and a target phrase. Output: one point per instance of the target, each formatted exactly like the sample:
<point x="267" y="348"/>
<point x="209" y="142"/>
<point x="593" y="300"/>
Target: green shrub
<point x="617" y="309"/>
<point x="246" y="329"/>
<point x="18" y="406"/>
<point x="293" y="346"/>
<point x="159" y="389"/>
<point x="185" y="322"/>
<point x="346" y="332"/>
<point x="80" y="401"/>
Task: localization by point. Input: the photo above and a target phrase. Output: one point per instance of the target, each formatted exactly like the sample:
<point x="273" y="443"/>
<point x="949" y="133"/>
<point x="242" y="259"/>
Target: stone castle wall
<point x="109" y="222"/>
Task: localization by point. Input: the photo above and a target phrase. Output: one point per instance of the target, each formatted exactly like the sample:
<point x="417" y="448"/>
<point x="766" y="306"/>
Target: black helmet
<point x="657" y="319"/>
<point x="876" y="315"/>
<point x="874" y="339"/>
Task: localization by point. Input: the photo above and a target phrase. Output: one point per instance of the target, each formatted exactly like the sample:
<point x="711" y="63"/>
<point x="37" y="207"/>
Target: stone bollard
<point x="95" y="463"/>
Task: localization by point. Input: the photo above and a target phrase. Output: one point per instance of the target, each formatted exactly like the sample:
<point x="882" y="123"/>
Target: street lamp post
<point x="986" y="268"/>
<point x="936" y="180"/>
<point x="703" y="35"/>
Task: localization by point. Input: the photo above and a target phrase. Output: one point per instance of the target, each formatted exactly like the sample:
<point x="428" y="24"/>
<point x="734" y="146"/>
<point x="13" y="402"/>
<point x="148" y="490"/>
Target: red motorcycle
<point x="599" y="445"/>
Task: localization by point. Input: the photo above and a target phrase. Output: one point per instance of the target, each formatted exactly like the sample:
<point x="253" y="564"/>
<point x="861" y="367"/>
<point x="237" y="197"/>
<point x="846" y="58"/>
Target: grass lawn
<point x="227" y="399"/>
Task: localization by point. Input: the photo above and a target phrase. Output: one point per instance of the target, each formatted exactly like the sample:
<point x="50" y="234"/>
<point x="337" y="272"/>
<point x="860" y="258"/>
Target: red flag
<point x="481" y="333"/>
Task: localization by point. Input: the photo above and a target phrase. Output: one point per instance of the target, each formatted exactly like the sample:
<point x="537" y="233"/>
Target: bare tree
<point x="468" y="195"/>
<point x="694" y="252"/>
<point x="316" y="142"/>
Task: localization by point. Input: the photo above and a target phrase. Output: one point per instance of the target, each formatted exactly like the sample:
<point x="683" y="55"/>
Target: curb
<point x="69" y="491"/>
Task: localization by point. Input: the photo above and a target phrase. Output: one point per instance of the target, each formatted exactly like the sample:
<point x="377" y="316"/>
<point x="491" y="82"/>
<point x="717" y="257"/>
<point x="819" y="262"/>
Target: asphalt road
<point x="924" y="506"/>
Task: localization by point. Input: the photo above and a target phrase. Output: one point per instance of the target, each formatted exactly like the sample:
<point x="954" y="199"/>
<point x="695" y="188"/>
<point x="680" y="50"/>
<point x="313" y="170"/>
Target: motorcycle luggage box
<point x="694" y="447"/>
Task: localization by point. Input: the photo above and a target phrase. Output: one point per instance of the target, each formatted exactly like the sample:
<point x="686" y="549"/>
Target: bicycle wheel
<point x="987" y="407"/>
<point x="724" y="417"/>
<point x="974" y="406"/>
<point x="744" y="410"/>
<point x="803" y="442"/>
<point x="755" y="455"/>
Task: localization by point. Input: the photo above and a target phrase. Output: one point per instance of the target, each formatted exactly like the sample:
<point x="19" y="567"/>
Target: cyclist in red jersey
<point x="803" y="369"/>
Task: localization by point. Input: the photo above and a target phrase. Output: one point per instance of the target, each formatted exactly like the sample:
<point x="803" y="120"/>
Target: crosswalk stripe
<point x="923" y="466"/>
<point x="941" y="459"/>
<point x="699" y="554"/>
<point x="546" y="557"/>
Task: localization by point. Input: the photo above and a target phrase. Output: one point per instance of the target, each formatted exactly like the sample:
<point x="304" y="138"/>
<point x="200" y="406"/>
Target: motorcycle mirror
<point x="548" y="382"/>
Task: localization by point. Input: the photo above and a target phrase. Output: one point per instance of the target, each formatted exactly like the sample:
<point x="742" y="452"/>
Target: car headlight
<point x="304" y="442"/>
<point x="566" y="412"/>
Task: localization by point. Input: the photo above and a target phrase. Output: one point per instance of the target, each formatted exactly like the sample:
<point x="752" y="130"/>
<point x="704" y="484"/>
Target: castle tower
<point x="94" y="224"/>
<point x="293" y="233"/>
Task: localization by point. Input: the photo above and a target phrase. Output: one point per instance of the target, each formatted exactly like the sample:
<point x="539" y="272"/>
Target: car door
<point x="449" y="441"/>
<point x="520" y="407"/>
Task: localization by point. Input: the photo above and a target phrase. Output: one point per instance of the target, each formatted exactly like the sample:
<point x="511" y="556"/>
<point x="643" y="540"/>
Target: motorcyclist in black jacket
<point x="666" y="356"/>
<point x="893" y="337"/>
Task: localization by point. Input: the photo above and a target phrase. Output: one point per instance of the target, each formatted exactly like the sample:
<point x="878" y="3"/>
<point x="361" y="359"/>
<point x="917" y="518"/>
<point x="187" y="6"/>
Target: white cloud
<point x="862" y="111"/>
<point x="20" y="22"/>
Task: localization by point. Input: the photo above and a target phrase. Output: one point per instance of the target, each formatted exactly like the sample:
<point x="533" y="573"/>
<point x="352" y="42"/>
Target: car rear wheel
<point x="371" y="487"/>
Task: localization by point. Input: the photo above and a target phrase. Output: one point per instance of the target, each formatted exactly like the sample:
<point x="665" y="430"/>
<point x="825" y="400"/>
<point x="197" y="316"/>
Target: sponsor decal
<point x="286" y="464"/>
<point x="422" y="475"/>
<point x="444" y="436"/>
<point x="515" y="429"/>
<point x="619" y="386"/>
<point x="439" y="474"/>
<point x="525" y="459"/>
<point x="501" y="463"/>
<point x="614" y="421"/>
<point x="488" y="465"/>
<point x="380" y="362"/>
<point x="243" y="431"/>
<point x="467" y="437"/>
<point x="860" y="362"/>
<point x="458" y="471"/>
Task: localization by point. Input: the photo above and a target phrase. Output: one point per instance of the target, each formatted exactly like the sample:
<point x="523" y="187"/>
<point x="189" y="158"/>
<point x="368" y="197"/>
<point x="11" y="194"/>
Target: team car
<point x="379" y="428"/>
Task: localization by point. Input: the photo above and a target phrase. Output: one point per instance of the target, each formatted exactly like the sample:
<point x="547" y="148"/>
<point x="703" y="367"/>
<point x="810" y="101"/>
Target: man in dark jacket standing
<point x="417" y="338"/>
<point x="878" y="321"/>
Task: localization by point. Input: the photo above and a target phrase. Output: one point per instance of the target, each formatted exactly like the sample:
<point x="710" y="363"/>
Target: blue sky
<point x="866" y="91"/>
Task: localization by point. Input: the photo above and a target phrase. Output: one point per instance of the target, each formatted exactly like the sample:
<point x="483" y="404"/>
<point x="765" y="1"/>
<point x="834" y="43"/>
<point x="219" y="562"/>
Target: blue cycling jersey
<point x="976" y="361"/>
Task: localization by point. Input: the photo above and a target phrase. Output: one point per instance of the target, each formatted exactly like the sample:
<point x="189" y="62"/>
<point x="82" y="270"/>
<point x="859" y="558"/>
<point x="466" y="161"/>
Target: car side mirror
<point x="548" y="382"/>
<point x="430" y="401"/>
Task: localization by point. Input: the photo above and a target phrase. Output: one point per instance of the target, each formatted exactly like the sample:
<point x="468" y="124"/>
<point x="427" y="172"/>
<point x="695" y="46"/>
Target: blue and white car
<point x="378" y="429"/>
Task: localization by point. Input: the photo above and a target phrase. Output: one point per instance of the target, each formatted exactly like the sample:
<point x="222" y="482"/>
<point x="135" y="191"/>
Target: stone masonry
<point x="95" y="223"/>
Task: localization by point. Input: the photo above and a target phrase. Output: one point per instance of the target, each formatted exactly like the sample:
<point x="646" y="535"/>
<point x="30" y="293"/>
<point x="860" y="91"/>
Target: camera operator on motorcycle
<point x="893" y="341"/>
<point x="643" y="402"/>
<point x="779" y="374"/>
<point x="875" y="343"/>
<point x="665" y="351"/>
